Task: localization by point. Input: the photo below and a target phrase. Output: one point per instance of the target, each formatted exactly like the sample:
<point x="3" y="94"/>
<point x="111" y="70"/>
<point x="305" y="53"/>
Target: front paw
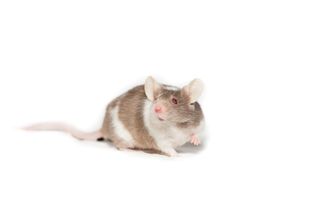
<point x="170" y="152"/>
<point x="194" y="140"/>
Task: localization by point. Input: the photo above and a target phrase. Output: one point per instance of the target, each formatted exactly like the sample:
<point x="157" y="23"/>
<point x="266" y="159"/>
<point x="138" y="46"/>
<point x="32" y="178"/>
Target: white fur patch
<point x="149" y="122"/>
<point x="166" y="136"/>
<point x="173" y="88"/>
<point x="156" y="129"/>
<point x="119" y="128"/>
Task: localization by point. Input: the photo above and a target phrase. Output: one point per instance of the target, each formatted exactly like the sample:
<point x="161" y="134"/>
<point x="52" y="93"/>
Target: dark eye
<point x="174" y="101"/>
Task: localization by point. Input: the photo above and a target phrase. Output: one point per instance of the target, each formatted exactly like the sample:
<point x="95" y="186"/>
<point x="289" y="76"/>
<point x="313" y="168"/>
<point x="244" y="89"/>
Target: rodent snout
<point x="158" y="109"/>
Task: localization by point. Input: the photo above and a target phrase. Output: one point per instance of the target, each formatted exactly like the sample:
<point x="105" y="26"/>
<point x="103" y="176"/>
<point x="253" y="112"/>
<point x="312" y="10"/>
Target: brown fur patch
<point x="131" y="107"/>
<point x="184" y="113"/>
<point x="107" y="129"/>
<point x="131" y="115"/>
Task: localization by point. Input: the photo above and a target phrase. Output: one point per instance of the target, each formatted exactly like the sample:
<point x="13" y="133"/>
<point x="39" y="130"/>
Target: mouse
<point x="152" y="116"/>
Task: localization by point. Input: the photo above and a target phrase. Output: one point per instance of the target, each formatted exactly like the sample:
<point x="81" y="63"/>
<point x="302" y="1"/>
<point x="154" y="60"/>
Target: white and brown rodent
<point x="152" y="116"/>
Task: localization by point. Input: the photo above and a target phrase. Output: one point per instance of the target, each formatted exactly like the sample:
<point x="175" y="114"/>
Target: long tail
<point x="54" y="126"/>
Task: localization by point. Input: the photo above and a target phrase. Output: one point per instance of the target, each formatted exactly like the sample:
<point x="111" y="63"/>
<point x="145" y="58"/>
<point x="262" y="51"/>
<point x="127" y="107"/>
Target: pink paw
<point x="194" y="140"/>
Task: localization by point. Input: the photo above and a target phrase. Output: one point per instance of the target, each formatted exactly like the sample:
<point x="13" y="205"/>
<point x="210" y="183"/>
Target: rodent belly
<point x="180" y="141"/>
<point x="178" y="137"/>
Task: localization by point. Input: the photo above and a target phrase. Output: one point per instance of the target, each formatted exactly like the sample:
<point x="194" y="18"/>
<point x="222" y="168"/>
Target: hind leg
<point x="114" y="130"/>
<point x="116" y="141"/>
<point x="121" y="145"/>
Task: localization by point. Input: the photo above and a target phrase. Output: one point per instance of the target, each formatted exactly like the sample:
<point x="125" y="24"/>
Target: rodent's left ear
<point x="194" y="90"/>
<point x="151" y="88"/>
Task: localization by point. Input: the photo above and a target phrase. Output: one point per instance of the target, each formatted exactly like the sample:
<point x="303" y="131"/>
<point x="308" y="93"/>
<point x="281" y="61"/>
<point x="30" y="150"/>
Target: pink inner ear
<point x="151" y="88"/>
<point x="194" y="90"/>
<point x="185" y="91"/>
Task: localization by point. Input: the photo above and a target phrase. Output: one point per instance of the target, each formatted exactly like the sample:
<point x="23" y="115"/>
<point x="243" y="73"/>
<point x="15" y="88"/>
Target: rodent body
<point x="148" y="117"/>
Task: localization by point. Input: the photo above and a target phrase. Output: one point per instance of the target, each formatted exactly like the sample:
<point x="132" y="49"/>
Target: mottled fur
<point x="185" y="116"/>
<point x="147" y="118"/>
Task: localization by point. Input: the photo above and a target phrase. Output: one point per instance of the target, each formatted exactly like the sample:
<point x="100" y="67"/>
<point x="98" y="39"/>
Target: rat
<point x="152" y="116"/>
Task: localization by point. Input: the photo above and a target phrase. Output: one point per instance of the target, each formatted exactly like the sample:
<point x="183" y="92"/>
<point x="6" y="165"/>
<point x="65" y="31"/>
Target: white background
<point x="65" y="60"/>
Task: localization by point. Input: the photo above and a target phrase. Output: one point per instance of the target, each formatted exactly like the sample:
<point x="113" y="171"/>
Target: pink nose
<point x="158" y="109"/>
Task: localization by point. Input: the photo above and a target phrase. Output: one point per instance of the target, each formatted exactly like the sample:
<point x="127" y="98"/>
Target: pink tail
<point x="54" y="126"/>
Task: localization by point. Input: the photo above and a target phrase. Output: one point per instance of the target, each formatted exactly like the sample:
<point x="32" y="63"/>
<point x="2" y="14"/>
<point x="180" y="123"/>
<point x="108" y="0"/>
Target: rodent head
<point x="172" y="104"/>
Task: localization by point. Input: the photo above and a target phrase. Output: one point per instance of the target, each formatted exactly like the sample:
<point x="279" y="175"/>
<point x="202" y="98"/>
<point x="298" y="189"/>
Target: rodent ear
<point x="151" y="88"/>
<point x="194" y="90"/>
